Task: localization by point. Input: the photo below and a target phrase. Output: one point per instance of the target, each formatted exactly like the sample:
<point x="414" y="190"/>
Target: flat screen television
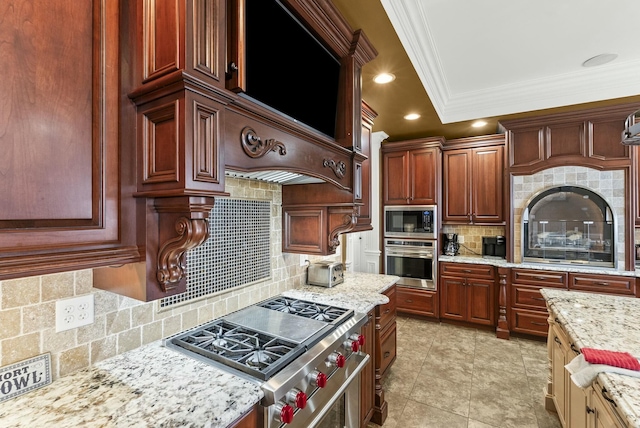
<point x="288" y="69"/>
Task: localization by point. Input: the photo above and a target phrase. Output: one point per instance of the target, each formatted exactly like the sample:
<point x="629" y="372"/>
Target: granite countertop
<point x="539" y="266"/>
<point x="603" y="322"/>
<point x="154" y="386"/>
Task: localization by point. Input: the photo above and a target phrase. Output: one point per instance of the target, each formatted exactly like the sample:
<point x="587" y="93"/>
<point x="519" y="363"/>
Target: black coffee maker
<point x="451" y="245"/>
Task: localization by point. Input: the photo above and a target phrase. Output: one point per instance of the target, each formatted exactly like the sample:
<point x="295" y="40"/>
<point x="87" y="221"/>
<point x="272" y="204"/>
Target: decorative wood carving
<point x="502" y="331"/>
<point x="172" y="261"/>
<point x="338" y="168"/>
<point x="348" y="224"/>
<point x="254" y="147"/>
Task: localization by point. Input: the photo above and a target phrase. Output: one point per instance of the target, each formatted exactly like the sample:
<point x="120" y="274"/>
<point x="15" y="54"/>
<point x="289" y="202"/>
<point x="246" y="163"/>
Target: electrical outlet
<point x="74" y="312"/>
<point x="460" y="239"/>
<point x="303" y="260"/>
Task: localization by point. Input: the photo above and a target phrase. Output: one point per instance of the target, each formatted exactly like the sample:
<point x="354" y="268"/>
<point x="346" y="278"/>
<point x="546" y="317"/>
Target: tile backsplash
<point x="27" y="305"/>
<point x="472" y="236"/>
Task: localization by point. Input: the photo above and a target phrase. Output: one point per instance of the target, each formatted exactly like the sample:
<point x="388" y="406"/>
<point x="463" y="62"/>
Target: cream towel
<point x="584" y="373"/>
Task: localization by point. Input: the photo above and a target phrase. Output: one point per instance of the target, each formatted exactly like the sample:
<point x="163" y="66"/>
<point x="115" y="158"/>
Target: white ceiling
<point x="495" y="57"/>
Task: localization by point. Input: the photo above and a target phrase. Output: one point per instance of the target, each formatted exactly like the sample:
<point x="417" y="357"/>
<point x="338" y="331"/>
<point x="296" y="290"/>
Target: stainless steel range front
<point x="305" y="356"/>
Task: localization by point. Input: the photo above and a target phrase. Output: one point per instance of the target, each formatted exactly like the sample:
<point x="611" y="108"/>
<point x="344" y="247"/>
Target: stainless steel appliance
<point x="494" y="247"/>
<point x="305" y="356"/>
<point x="414" y="261"/>
<point x="325" y="274"/>
<point x="451" y="244"/>
<point x="407" y="221"/>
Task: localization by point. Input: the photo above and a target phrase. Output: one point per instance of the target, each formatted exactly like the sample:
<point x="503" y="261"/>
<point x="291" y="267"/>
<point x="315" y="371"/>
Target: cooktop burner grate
<point x="311" y="310"/>
<point x="255" y="353"/>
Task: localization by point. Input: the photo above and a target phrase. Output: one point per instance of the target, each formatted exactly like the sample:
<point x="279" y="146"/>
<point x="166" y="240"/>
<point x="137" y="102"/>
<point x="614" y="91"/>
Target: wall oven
<point x="414" y="261"/>
<point x="409" y="221"/>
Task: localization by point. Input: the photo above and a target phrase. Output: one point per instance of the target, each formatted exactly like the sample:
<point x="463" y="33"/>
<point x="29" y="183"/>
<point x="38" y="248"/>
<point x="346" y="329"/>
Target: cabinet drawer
<point x="467" y="269"/>
<point x="387" y="312"/>
<point x="529" y="322"/>
<point x="528" y="297"/>
<point x="603" y="283"/>
<point x="387" y="351"/>
<point x="419" y="302"/>
<point x="537" y="277"/>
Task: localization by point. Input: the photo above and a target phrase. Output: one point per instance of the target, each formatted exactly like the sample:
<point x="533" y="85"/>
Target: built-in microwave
<point x="410" y="221"/>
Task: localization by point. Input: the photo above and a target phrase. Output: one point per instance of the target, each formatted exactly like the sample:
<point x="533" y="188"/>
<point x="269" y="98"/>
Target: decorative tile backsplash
<point x="472" y="236"/>
<point x="27" y="305"/>
<point x="237" y="251"/>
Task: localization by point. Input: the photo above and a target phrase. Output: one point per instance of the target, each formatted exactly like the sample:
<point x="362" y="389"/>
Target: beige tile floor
<point x="447" y="376"/>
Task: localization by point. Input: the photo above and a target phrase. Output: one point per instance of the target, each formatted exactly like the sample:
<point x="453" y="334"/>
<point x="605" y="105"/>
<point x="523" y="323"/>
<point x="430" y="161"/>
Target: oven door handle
<point x="420" y="255"/>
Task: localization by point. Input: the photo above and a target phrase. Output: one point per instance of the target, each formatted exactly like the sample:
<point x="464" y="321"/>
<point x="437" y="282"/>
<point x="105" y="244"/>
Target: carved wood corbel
<point x="172" y="263"/>
<point x="349" y="222"/>
<point x="254" y="147"/>
<point x="190" y="216"/>
<point x="338" y="168"/>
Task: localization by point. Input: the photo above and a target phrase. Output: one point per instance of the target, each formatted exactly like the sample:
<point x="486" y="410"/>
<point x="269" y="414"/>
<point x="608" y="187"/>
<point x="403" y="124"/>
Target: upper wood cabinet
<point x="411" y="171"/>
<point x="362" y="171"/>
<point x="60" y="183"/>
<point x="586" y="138"/>
<point x="473" y="170"/>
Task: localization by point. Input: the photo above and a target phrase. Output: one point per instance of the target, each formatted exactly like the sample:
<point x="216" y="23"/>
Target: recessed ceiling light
<point x="599" y="60"/>
<point x="412" y="116"/>
<point x="384" y="78"/>
<point x="479" y="124"/>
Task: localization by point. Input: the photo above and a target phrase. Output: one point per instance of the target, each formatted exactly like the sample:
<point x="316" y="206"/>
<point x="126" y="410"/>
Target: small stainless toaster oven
<point x="325" y="274"/>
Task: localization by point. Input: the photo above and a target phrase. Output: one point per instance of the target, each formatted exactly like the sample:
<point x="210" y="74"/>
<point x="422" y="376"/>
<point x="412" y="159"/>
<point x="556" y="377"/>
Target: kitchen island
<point x="155" y="386"/>
<point x="603" y="322"/>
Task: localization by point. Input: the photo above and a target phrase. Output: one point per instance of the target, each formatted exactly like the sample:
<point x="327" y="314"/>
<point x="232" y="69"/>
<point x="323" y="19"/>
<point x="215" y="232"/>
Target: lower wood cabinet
<point x="385" y="351"/>
<point x="368" y="376"/>
<point x="467" y="293"/>
<point x="417" y="302"/>
<point x="576" y="407"/>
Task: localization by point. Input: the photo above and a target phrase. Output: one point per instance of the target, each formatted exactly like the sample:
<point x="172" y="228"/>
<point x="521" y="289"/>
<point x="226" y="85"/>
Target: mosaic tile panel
<point x="237" y="251"/>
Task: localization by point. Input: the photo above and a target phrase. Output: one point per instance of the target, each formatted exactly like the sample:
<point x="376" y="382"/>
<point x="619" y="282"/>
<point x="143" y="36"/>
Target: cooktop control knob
<point x="351" y="345"/>
<point x="318" y="379"/>
<point x="297" y="398"/>
<point x="283" y="413"/>
<point x="359" y="337"/>
<point x="336" y="359"/>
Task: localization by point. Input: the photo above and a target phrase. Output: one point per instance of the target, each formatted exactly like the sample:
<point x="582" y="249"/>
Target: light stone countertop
<point x="539" y="266"/>
<point x="154" y="386"/>
<point x="603" y="322"/>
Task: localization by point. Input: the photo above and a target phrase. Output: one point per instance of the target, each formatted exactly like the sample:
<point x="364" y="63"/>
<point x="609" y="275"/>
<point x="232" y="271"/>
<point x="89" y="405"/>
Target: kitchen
<point x="29" y="295"/>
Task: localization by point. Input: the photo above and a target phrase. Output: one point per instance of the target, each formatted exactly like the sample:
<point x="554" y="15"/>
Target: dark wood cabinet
<point x="608" y="284"/>
<point x="60" y="164"/>
<point x="417" y="302"/>
<point x="587" y="138"/>
<point x="473" y="170"/>
<point x="411" y="172"/>
<point x="368" y="375"/>
<point x="467" y="293"/>
<point x="385" y="351"/>
<point x="362" y="172"/>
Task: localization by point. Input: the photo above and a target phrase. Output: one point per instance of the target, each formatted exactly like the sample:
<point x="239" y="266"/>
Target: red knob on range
<point x="352" y="345"/>
<point x="359" y="338"/>
<point x="284" y="413"/>
<point x="336" y="359"/>
<point x="297" y="398"/>
<point x="318" y="379"/>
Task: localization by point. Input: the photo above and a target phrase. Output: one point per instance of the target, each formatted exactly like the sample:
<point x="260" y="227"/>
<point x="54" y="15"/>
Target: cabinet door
<point x="558" y="374"/>
<point x="396" y="182"/>
<point x="480" y="306"/>
<point x="457" y="185"/>
<point x="453" y="298"/>
<point x="422" y="178"/>
<point x="486" y="196"/>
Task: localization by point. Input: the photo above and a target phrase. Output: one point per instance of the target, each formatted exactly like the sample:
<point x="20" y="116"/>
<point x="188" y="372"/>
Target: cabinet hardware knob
<point x="540" y="278"/>
<point x="466" y="270"/>
<point x="604" y="395"/>
<point x="555" y="339"/>
<point x="537" y="298"/>
<point x="387" y="311"/>
<point x="604" y="284"/>
<point x="233" y="67"/>
<point x="386" y="354"/>
<point x="409" y="301"/>
<point x="590" y="410"/>
<point x="574" y="349"/>
<point x="538" y="323"/>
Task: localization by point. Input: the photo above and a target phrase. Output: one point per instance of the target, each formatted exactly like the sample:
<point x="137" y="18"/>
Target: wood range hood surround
<point x="191" y="124"/>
